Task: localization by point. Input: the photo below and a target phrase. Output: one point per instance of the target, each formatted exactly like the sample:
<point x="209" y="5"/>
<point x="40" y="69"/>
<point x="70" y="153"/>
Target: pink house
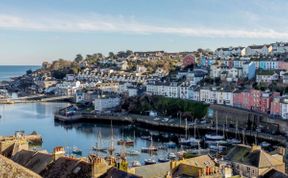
<point x="283" y="65"/>
<point x="275" y="106"/>
<point x="254" y="100"/>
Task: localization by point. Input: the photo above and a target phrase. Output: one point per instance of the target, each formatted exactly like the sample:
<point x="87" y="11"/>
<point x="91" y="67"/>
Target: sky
<point x="33" y="31"/>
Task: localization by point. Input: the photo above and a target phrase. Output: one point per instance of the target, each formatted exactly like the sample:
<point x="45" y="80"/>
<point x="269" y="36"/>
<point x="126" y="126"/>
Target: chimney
<point x="281" y="150"/>
<point x="58" y="152"/>
<point x="173" y="164"/>
<point x="255" y="147"/>
<point x="99" y="167"/>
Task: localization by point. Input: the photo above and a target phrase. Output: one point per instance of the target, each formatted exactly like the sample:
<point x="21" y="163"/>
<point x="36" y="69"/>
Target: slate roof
<point x="258" y="158"/>
<point x="9" y="168"/>
<point x="272" y="173"/>
<point x="116" y="173"/>
<point x="153" y="171"/>
<point x="35" y="161"/>
<point x="68" y="167"/>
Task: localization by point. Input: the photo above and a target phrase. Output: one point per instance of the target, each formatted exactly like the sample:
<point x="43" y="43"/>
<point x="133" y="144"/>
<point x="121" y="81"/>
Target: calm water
<point x="39" y="117"/>
<point x="6" y="72"/>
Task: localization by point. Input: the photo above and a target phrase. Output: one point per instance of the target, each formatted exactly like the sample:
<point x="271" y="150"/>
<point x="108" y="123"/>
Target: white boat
<point x="171" y="156"/>
<point x="149" y="161"/>
<point x="163" y="160"/>
<point x="192" y="141"/>
<point x="133" y="153"/>
<point x="233" y="141"/>
<point x="265" y="144"/>
<point x="99" y="144"/>
<point x="170" y="144"/>
<point x="217" y="147"/>
<point x="214" y="137"/>
<point x="151" y="148"/>
<point x="136" y="164"/>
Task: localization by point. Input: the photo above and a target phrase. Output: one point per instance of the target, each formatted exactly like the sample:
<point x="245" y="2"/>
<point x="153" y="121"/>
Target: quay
<point x="176" y="126"/>
<point x="35" y="98"/>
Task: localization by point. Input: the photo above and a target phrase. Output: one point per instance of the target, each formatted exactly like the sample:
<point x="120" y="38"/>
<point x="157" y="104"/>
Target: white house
<point x="279" y="47"/>
<point x="284" y="107"/>
<point x="258" y="50"/>
<point x="225" y="52"/>
<point x="106" y="102"/>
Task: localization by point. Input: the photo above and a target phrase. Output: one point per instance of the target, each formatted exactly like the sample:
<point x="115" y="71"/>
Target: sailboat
<point x="192" y="141"/>
<point x="99" y="143"/>
<point x="234" y="141"/>
<point x="216" y="136"/>
<point x="151" y="148"/>
<point x="111" y="149"/>
<point x="127" y="141"/>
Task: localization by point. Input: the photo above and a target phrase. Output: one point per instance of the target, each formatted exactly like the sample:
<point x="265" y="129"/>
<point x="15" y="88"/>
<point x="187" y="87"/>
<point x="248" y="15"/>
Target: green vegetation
<point x="165" y="106"/>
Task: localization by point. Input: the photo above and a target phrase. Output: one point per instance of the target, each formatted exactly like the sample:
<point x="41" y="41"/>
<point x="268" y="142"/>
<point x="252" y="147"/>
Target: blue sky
<point x="32" y="31"/>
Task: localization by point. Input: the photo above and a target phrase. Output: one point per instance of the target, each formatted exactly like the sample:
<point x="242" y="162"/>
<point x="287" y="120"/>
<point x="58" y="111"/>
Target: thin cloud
<point x="129" y="26"/>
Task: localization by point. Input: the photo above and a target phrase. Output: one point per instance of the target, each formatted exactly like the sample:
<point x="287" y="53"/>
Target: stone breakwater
<point x="175" y="126"/>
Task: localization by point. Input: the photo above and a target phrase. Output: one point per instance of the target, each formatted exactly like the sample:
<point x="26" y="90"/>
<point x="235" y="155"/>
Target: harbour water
<point x="9" y="71"/>
<point x="39" y="117"/>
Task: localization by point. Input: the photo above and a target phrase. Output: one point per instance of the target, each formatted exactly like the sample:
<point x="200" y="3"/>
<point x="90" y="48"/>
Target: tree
<point x="28" y="72"/>
<point x="111" y="55"/>
<point x="78" y="58"/>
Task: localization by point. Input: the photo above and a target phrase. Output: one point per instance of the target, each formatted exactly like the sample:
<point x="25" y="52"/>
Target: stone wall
<point x="237" y="116"/>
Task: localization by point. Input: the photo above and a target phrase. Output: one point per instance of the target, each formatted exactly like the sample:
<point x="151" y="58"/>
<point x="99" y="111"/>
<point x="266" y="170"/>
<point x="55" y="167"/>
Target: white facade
<point x="105" y="102"/>
<point x="267" y="78"/>
<point x="215" y="96"/>
<point x="284" y="109"/>
<point x="280" y="47"/>
<point x="258" y="50"/>
<point x="170" y="90"/>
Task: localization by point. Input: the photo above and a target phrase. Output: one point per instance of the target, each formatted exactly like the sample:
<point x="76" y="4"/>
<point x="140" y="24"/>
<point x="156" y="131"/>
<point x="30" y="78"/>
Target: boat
<point x="192" y="141"/>
<point x="171" y="156"/>
<point x="195" y="152"/>
<point x="215" y="136"/>
<point x="136" y="164"/>
<point x="145" y="137"/>
<point x="99" y="144"/>
<point x="265" y="144"/>
<point x="149" y="149"/>
<point x="133" y="153"/>
<point x="76" y="151"/>
<point x="149" y="161"/>
<point x="217" y="147"/>
<point x="163" y="159"/>
<point x="127" y="142"/>
<point x="170" y="144"/>
<point x="233" y="141"/>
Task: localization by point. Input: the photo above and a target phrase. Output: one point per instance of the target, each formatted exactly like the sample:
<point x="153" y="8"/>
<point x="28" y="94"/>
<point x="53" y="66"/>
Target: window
<point x="248" y="169"/>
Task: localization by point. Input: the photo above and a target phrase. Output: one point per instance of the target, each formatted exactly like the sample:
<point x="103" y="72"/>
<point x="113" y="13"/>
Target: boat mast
<point x="216" y="122"/>
<point x="186" y="129"/>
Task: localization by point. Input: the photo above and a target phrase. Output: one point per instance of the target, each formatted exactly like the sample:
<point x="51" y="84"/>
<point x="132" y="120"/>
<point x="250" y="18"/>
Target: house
<point x="266" y="76"/>
<point x="249" y="70"/>
<point x="67" y="88"/>
<point x="106" y="101"/>
<point x="225" y="52"/>
<point x="279" y="47"/>
<point x="197" y="167"/>
<point x="252" y="161"/>
<point x="132" y="91"/>
<point x="285" y="78"/>
<point x="258" y="50"/>
<point x="168" y="89"/>
<point x="11" y="169"/>
<point x="284" y="107"/>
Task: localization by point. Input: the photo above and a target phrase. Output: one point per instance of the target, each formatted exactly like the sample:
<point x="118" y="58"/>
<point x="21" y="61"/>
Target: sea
<point x="9" y="71"/>
<point x="39" y="117"/>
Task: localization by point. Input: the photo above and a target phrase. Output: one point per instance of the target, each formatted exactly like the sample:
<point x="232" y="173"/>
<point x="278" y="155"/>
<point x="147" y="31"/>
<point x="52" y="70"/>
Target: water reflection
<point x="39" y="117"/>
